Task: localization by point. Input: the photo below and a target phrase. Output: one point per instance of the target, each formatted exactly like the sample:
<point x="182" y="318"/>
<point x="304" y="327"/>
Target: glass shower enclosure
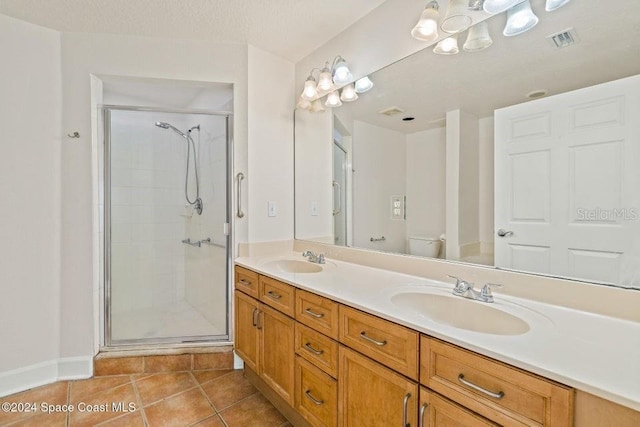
<point x="166" y="226"/>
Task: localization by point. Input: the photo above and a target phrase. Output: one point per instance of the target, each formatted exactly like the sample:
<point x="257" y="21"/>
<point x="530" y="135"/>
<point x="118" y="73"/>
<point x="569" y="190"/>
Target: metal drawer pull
<point x="313" y="350"/>
<point x="498" y="395"/>
<point x="423" y="409"/>
<point x="244" y="282"/>
<point x="405" y="404"/>
<point x="258" y="323"/>
<point x="311" y="313"/>
<point x="313" y="399"/>
<point x="274" y="295"/>
<point x="364" y="336"/>
<point x="253" y="317"/>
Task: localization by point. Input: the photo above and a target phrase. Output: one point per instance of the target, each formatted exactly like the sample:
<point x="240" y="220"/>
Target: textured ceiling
<point x="288" y="28"/>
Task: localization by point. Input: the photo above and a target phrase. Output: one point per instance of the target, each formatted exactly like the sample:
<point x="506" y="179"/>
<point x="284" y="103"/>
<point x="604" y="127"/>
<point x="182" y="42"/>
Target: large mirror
<point x="423" y="164"/>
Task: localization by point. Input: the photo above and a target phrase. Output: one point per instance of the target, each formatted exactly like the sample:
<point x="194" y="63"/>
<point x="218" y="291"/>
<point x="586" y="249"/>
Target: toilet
<point x="424" y="246"/>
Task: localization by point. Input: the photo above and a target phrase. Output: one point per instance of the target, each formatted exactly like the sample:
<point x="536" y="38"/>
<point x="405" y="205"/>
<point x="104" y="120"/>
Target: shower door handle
<point x="239" y="177"/>
<point x="335" y="184"/>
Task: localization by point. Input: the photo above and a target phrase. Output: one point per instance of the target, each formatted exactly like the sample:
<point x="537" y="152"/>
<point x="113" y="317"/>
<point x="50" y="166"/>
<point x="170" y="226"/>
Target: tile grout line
<point x="139" y="399"/>
<point x="199" y="386"/>
<point x="68" y="420"/>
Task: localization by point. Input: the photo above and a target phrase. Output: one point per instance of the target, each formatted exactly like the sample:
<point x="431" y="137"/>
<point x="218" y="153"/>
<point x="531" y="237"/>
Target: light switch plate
<point x="272" y="208"/>
<point x="314" y="208"/>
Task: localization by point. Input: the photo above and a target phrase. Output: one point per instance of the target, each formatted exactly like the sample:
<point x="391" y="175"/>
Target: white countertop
<point x="590" y="352"/>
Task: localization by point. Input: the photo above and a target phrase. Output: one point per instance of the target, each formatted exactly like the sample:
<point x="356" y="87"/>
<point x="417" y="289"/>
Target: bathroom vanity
<point x="345" y="344"/>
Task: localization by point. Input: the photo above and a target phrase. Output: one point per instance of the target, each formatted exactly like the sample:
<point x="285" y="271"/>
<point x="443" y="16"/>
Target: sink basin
<point x="461" y="313"/>
<point x="293" y="266"/>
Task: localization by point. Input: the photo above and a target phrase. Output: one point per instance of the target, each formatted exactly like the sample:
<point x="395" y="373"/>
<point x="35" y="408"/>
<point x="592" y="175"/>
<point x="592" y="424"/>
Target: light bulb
<point x="310" y="92"/>
<point x="349" y="93"/>
<point x="448" y="46"/>
<point x="427" y="27"/>
<point x="333" y="99"/>
<point x="341" y="73"/>
<point x="325" y="83"/>
<point x="363" y="85"/>
<point x="520" y="18"/>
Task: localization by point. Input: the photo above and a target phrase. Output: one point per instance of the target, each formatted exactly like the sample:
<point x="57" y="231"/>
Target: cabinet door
<point x="437" y="411"/>
<point x="276" y="350"/>
<point x="246" y="332"/>
<point x="316" y="395"/>
<point x="373" y="395"/>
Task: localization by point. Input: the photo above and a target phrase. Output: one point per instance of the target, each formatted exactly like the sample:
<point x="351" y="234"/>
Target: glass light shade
<point x="363" y="85"/>
<point x="448" y="46"/>
<point x="348" y="93"/>
<point x="499" y="6"/>
<point x="333" y="99"/>
<point x="316" y="106"/>
<point x="457" y="18"/>
<point x="555" y="4"/>
<point x="427" y="27"/>
<point x="520" y="18"/>
<point x="325" y="82"/>
<point x="478" y="38"/>
<point x="310" y="92"/>
<point x="341" y="73"/>
<point x="303" y="104"/>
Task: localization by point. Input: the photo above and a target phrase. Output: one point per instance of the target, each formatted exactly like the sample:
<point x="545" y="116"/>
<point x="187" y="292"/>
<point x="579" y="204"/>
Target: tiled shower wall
<point x="147" y="214"/>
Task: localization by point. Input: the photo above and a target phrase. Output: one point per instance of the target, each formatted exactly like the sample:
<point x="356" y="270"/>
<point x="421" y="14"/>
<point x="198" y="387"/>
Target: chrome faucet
<point x="466" y="290"/>
<point x="317" y="258"/>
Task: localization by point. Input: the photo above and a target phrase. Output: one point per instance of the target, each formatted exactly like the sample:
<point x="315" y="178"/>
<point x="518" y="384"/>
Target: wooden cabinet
<point x="390" y="344"/>
<point x="276" y="351"/>
<point x="317" y="349"/>
<point x="317" y="312"/>
<point x="247" y="343"/>
<point x="437" y="411"/>
<point x="499" y="392"/>
<point x="373" y="395"/>
<point x="316" y="395"/>
<point x="277" y="295"/>
<point x="247" y="281"/>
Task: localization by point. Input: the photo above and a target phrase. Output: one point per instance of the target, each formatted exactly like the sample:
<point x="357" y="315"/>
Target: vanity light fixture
<point x="427" y="27"/>
<point x="363" y="85"/>
<point x="499" y="6"/>
<point x="310" y="91"/>
<point x="341" y="73"/>
<point x="448" y="46"/>
<point x="552" y="5"/>
<point x="333" y="100"/>
<point x="325" y="80"/>
<point x="317" y="107"/>
<point x="520" y="18"/>
<point x="457" y="19"/>
<point x="303" y="104"/>
<point x="348" y="93"/>
<point x="478" y="38"/>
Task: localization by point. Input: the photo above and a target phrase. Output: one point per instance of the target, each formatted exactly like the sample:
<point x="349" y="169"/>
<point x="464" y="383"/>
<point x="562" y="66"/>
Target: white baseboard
<point x="237" y="362"/>
<point x="25" y="378"/>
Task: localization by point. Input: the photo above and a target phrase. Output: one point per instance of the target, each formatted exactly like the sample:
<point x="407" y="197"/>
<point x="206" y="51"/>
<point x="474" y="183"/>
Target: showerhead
<point x="165" y="125"/>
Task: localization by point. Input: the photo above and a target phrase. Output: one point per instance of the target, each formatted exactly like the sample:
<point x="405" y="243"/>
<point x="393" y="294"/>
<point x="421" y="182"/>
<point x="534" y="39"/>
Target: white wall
<point x="379" y="161"/>
<point x="485" y="183"/>
<point x="30" y="205"/>
<point x="270" y="145"/>
<point x="83" y="54"/>
<point x="426" y="183"/>
<point x="468" y="171"/>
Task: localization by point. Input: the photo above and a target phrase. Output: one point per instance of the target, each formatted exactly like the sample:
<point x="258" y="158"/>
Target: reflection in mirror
<point x="485" y="173"/>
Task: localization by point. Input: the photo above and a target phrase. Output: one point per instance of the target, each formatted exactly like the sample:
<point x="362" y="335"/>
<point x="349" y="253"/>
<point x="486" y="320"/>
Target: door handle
<point x="405" y="410"/>
<point x="423" y="409"/>
<point x="339" y="209"/>
<point x="239" y="177"/>
<point x="504" y="233"/>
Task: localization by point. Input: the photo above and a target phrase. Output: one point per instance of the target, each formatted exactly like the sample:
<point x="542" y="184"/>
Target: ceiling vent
<point x="391" y="111"/>
<point x="564" y="38"/>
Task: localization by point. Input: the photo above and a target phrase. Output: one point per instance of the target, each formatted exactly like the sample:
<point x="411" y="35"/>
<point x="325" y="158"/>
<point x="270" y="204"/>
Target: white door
<point x="339" y="184"/>
<point x="566" y="183"/>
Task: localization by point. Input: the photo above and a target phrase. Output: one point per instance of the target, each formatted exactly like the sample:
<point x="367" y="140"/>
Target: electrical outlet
<point x="272" y="208"/>
<point x="315" y="206"/>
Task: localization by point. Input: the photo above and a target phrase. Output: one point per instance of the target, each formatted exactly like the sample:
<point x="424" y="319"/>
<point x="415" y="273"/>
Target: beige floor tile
<point x="181" y="410"/>
<point x="83" y="389"/>
<point x="228" y="389"/>
<point x="56" y="419"/>
<point x="206" y="376"/>
<point x="255" y="411"/>
<point x="133" y="419"/>
<point x="214" y="421"/>
<point x="105" y="399"/>
<point x="52" y="394"/>
<point x="159" y="386"/>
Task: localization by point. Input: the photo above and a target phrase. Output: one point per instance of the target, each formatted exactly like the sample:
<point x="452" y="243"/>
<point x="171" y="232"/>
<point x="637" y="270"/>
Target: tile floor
<point x="208" y="397"/>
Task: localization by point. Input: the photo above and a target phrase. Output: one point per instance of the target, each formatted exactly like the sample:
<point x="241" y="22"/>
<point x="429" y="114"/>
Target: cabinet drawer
<point x="436" y="410"/>
<point x="500" y="392"/>
<point x="318" y="349"/>
<point x="277" y="294"/>
<point x="388" y="343"/>
<point x="317" y="312"/>
<point x="247" y="281"/>
<point x="316" y="394"/>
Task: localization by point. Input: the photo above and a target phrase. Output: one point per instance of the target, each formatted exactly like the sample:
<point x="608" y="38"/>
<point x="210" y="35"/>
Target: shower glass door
<point x="167" y="262"/>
